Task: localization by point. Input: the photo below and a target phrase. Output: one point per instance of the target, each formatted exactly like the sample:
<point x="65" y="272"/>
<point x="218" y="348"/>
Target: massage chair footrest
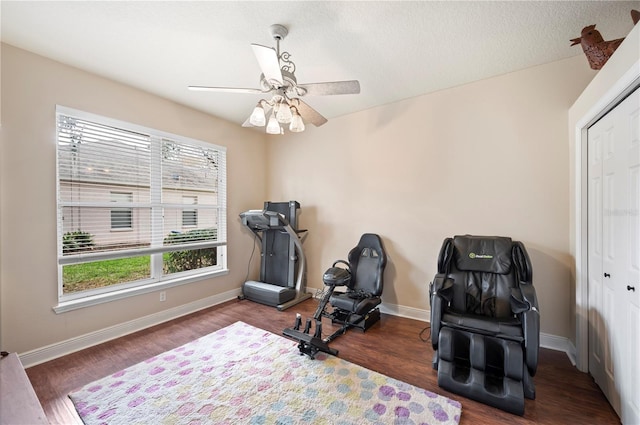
<point x="483" y="368"/>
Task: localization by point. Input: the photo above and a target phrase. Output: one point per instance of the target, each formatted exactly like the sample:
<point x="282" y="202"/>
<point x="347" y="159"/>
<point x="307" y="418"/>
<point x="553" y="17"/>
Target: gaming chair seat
<point x="485" y="323"/>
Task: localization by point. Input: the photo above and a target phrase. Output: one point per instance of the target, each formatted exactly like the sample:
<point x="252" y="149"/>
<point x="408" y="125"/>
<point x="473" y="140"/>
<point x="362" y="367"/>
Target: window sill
<point x="64" y="306"/>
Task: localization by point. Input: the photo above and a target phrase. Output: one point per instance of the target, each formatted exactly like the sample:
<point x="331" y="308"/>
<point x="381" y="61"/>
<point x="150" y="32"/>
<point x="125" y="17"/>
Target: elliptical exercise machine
<point x="356" y="307"/>
<point x="282" y="265"/>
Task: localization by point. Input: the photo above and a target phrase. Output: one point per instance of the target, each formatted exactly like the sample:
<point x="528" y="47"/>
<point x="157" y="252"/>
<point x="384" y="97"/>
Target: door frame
<point x="623" y="87"/>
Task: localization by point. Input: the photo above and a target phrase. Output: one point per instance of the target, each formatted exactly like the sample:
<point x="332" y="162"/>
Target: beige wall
<point x="489" y="157"/>
<point x="31" y="88"/>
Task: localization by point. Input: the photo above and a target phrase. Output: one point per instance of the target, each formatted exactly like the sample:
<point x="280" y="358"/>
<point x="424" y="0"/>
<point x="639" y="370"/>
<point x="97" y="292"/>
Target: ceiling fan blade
<point x="308" y="113"/>
<point x="269" y="64"/>
<point x="224" y="89"/>
<point x="333" y="87"/>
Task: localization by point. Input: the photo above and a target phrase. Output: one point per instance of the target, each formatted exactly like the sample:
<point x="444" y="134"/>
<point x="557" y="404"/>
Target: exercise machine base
<point x="272" y="295"/>
<point x="266" y="293"/>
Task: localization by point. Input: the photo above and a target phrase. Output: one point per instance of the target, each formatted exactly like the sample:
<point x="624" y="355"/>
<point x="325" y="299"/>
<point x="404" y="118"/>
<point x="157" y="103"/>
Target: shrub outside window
<point x="151" y="176"/>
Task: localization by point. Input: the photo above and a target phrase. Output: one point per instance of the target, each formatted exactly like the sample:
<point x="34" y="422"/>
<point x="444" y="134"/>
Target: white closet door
<point x="629" y="120"/>
<point x="602" y="253"/>
<point x="614" y="256"/>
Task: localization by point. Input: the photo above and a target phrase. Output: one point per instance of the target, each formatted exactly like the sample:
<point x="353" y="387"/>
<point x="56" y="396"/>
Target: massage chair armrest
<point x="525" y="297"/>
<point x="531" y="329"/>
<point x="440" y="293"/>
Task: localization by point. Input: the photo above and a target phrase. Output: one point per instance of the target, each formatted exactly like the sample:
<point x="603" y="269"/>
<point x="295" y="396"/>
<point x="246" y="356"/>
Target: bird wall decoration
<point x="597" y="50"/>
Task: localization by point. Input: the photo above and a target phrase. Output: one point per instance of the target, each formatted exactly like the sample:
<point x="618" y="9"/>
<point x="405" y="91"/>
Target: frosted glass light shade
<point x="284" y="114"/>
<point x="272" y="126"/>
<point x="297" y="125"/>
<point x="257" y="117"/>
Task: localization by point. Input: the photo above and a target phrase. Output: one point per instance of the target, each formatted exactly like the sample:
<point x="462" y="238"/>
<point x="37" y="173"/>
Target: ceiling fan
<point x="279" y="81"/>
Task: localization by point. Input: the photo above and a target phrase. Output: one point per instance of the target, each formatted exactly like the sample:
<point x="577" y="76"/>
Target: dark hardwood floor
<point x="392" y="347"/>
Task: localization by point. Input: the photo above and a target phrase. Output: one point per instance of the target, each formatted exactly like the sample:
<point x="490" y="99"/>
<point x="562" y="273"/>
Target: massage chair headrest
<point x="489" y="254"/>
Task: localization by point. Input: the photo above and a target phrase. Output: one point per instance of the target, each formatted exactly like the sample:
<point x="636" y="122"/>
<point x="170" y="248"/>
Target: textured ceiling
<point x="396" y="49"/>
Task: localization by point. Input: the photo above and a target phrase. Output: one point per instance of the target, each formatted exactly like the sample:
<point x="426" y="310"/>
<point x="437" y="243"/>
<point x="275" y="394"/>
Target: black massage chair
<point x="485" y="323"/>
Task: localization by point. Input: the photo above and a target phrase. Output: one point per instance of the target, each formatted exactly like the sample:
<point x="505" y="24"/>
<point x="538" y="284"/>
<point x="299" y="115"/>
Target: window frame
<point x="159" y="280"/>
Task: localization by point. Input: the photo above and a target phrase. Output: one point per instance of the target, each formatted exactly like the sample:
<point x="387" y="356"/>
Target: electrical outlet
<point x="163" y="296"/>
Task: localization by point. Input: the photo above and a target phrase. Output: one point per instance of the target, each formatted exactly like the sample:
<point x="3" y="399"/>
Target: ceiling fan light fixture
<point x="272" y="126"/>
<point x="284" y="113"/>
<point x="258" y="117"/>
<point x="297" y="124"/>
<point x="279" y="81"/>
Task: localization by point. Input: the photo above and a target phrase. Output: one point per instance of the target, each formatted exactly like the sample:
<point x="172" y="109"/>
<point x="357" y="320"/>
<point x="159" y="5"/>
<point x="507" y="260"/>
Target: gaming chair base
<point x="358" y="321"/>
<point x="483" y="368"/>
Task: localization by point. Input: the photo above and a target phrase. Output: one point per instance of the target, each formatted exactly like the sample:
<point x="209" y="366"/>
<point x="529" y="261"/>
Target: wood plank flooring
<point x="392" y="347"/>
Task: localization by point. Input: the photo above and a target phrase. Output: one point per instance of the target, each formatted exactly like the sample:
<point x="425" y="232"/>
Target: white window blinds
<point x="121" y="189"/>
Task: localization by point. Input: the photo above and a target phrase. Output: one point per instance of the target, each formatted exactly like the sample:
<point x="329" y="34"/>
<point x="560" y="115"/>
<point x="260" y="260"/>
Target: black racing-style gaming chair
<point x="485" y="323"/>
<point x="357" y="305"/>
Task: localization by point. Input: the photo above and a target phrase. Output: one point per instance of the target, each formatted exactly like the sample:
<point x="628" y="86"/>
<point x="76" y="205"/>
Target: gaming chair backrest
<point x="484" y="269"/>
<point x="367" y="262"/>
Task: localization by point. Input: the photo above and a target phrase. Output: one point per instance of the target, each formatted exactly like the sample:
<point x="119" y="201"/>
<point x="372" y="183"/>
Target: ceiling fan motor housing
<point x="278" y="32"/>
<point x="288" y="79"/>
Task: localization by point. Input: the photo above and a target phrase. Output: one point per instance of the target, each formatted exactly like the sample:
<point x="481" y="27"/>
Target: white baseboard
<point x="552" y="342"/>
<point x="53" y="351"/>
<point x="559" y="343"/>
<point x="407" y="312"/>
<point x="59" y="349"/>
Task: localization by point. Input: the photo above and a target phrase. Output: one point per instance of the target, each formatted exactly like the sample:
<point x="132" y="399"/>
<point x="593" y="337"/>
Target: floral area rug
<point x="245" y="375"/>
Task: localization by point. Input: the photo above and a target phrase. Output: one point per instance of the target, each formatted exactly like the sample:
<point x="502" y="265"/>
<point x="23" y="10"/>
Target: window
<point x="121" y="218"/>
<point x="189" y="216"/>
<point x="123" y="224"/>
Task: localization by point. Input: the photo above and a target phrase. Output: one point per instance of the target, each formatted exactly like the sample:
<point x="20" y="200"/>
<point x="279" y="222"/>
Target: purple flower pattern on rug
<point x="244" y="375"/>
